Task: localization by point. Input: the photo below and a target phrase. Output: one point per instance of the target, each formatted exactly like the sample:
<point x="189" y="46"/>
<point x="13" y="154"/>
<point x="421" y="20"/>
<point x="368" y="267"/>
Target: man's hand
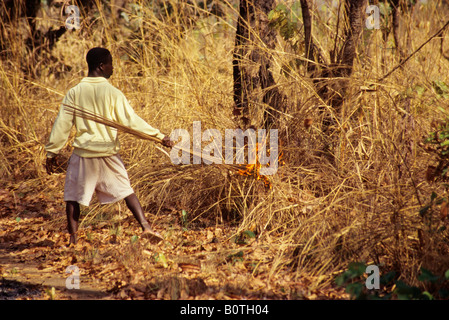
<point x="167" y="142"/>
<point x="50" y="165"/>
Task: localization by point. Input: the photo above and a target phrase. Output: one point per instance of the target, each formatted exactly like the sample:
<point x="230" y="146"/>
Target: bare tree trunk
<point x="332" y="82"/>
<point x="398" y="8"/>
<point x="353" y="31"/>
<point x="254" y="83"/>
<point x="241" y="77"/>
<point x="395" y="26"/>
<point x="308" y="43"/>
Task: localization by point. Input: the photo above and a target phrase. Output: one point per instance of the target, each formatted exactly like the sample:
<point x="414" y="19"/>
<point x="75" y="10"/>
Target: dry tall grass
<point x="317" y="217"/>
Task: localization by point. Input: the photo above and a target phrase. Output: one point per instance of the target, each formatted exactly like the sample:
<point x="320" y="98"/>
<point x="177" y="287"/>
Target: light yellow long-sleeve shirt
<point x="92" y="139"/>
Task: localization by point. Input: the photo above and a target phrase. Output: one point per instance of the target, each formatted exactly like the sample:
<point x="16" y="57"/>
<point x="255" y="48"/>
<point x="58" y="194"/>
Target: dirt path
<point x="33" y="257"/>
<point x="26" y="278"/>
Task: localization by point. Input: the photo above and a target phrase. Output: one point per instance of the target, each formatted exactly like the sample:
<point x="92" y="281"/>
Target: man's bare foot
<point x="151" y="235"/>
<point x="72" y="240"/>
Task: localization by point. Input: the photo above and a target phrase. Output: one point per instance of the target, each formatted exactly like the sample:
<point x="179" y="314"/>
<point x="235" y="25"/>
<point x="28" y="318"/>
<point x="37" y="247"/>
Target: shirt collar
<point x="94" y="79"/>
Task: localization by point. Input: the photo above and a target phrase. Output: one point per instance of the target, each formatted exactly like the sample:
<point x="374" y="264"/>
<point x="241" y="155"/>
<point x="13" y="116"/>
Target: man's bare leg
<point x="73" y="215"/>
<point x="133" y="204"/>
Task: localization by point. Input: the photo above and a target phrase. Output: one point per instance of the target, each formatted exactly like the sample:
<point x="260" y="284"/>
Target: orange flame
<point x="254" y="169"/>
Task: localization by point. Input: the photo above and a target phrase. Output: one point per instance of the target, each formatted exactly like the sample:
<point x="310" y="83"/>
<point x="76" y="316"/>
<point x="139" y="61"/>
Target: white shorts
<point x="106" y="176"/>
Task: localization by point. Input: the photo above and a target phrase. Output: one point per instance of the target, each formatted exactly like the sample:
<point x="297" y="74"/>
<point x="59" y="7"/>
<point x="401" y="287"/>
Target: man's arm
<point x="59" y="134"/>
<point x="126" y="115"/>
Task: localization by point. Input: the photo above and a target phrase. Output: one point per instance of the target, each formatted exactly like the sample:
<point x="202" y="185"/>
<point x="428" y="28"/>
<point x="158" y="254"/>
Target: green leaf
<point x="427" y="275"/>
<point x="446" y="274"/>
<point x="271" y="15"/>
<point x="440" y="87"/>
<point x="134" y="238"/>
<point x="249" y="234"/>
<point x="427" y="295"/>
<point x="420" y="90"/>
<point x="163" y="260"/>
<point x="124" y="16"/>
<point x="160" y="257"/>
<point x="355" y="269"/>
<point x="433" y="196"/>
<point x="295" y="10"/>
<point x="282" y="8"/>
<point x="387" y="278"/>
<point x="239" y="240"/>
<point x="18" y="219"/>
<point x="355" y="289"/>
<point x="340" y="280"/>
<point x="445" y="142"/>
<point x="384" y="9"/>
<point x="236" y="256"/>
<point x="424" y="210"/>
<point x="406" y="292"/>
<point x="184" y="218"/>
<point x="444" y="134"/>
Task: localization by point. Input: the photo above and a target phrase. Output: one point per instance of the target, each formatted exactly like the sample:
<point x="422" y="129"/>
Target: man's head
<point x="99" y="61"/>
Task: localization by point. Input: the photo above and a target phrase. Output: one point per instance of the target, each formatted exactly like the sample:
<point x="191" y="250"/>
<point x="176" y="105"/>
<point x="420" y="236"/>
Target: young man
<point x="95" y="164"/>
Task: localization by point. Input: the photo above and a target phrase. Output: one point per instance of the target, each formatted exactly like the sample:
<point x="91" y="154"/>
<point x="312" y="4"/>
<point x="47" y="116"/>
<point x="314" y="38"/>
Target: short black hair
<point x="97" y="55"/>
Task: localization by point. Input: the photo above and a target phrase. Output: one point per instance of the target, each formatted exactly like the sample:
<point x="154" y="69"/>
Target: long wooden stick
<point x="88" y="115"/>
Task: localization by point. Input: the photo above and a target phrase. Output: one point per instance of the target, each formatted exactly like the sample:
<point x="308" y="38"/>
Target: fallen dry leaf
<point x="188" y="267"/>
<point x="444" y="210"/>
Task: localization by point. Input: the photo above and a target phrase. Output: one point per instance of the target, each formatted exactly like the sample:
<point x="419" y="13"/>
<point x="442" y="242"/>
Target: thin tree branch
<point x="413" y="53"/>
